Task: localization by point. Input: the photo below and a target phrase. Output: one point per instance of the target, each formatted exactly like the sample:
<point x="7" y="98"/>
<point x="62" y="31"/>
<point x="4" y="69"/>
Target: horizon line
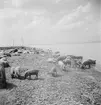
<point x="88" y="42"/>
<point x="68" y="43"/>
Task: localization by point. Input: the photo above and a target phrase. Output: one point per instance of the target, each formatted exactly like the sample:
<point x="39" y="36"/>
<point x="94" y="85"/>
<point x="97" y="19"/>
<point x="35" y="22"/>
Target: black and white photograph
<point x="50" y="52"/>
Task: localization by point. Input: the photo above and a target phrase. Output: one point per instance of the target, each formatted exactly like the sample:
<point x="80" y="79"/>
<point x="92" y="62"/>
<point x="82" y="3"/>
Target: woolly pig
<point x="15" y="72"/>
<point x="61" y="64"/>
<point x="53" y="71"/>
<point x="28" y="73"/>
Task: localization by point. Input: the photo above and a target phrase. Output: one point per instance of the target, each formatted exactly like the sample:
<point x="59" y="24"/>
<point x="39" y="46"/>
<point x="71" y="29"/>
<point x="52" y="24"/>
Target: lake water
<point x="87" y="50"/>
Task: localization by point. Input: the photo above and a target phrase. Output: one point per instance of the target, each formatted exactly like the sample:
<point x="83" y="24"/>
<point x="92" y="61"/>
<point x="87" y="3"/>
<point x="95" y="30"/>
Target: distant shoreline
<point x="10" y="47"/>
<point x="59" y="43"/>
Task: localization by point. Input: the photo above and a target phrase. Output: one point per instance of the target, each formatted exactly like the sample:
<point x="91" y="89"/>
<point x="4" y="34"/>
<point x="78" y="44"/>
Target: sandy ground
<point x="71" y="87"/>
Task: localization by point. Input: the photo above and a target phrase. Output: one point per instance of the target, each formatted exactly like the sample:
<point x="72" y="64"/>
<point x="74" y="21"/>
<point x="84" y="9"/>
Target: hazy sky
<point x="49" y="21"/>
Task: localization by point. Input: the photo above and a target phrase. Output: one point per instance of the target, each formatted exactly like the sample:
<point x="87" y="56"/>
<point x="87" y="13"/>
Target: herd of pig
<point x="62" y="61"/>
<point x="15" y="72"/>
<point x="71" y="61"/>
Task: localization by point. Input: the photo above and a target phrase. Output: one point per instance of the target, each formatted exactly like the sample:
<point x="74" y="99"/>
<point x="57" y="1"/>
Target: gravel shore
<point x="71" y="87"/>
